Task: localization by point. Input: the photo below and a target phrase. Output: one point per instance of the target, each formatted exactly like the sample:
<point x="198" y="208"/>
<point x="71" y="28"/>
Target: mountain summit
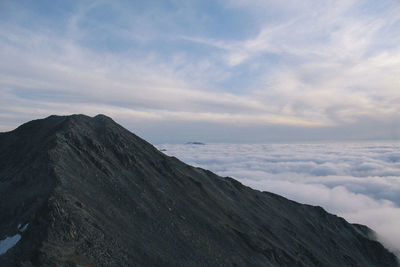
<point x="84" y="191"/>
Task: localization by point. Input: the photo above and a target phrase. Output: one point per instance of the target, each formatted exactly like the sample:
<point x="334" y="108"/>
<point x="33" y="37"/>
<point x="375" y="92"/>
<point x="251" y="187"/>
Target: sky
<point x="357" y="181"/>
<point x="227" y="71"/>
<point x="212" y="71"/>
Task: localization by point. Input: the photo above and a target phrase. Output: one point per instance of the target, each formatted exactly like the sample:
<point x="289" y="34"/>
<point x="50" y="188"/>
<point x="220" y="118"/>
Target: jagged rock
<point x="94" y="194"/>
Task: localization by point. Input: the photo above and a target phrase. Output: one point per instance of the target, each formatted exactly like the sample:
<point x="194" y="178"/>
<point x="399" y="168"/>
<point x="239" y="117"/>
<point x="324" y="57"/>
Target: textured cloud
<point x="360" y="182"/>
<point x="331" y="65"/>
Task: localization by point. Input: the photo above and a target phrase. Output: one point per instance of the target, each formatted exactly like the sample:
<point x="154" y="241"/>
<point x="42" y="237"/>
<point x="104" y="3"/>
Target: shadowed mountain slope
<point x="82" y="191"/>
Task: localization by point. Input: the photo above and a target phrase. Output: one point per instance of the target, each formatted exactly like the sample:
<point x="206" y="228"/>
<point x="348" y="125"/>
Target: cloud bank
<point x="360" y="182"/>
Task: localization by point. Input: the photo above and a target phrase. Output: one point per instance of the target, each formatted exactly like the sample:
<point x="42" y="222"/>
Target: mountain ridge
<point x="95" y="194"/>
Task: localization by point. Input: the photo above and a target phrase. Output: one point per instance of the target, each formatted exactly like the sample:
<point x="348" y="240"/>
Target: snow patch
<point x="8" y="243"/>
<point x="22" y="229"/>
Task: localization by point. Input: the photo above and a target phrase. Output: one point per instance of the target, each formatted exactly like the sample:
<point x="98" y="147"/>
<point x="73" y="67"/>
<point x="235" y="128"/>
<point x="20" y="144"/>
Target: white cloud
<point x="360" y="182"/>
<point x="339" y="58"/>
<point x="301" y="63"/>
<point x="79" y="80"/>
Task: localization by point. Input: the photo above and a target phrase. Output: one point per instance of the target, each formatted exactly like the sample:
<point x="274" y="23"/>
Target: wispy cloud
<point x="334" y="64"/>
<point x="297" y="63"/>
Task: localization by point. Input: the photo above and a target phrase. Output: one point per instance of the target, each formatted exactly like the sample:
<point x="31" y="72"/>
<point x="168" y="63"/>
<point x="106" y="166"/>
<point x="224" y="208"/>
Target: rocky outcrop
<point x="90" y="193"/>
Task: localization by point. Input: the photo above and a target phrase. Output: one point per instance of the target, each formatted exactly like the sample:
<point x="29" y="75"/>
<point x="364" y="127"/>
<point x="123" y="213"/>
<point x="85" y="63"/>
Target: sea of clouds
<point x="358" y="181"/>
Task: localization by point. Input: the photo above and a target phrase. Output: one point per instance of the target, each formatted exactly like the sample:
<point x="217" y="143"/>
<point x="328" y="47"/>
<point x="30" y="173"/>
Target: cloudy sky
<point x="229" y="70"/>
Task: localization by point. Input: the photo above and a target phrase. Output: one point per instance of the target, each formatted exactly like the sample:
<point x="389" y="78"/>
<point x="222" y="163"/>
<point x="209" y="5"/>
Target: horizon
<point x="216" y="71"/>
<point x="305" y="142"/>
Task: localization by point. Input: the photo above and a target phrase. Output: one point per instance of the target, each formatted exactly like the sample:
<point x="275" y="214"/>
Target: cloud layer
<point x="360" y="182"/>
<point x="302" y="64"/>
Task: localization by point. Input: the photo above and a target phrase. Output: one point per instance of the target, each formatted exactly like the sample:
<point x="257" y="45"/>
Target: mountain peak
<point x="83" y="191"/>
<point x="57" y="125"/>
<point x="54" y="120"/>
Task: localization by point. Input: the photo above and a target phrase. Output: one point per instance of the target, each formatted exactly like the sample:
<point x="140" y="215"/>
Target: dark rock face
<point x="95" y="194"/>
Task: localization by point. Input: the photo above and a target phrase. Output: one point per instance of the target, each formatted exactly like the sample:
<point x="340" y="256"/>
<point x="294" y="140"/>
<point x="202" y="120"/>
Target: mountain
<point x="194" y="143"/>
<point x="84" y="191"/>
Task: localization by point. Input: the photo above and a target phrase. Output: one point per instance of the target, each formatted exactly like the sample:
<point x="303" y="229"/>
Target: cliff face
<point x="82" y="191"/>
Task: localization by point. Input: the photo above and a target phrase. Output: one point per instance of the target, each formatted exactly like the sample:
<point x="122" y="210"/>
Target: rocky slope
<point x="82" y="191"/>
